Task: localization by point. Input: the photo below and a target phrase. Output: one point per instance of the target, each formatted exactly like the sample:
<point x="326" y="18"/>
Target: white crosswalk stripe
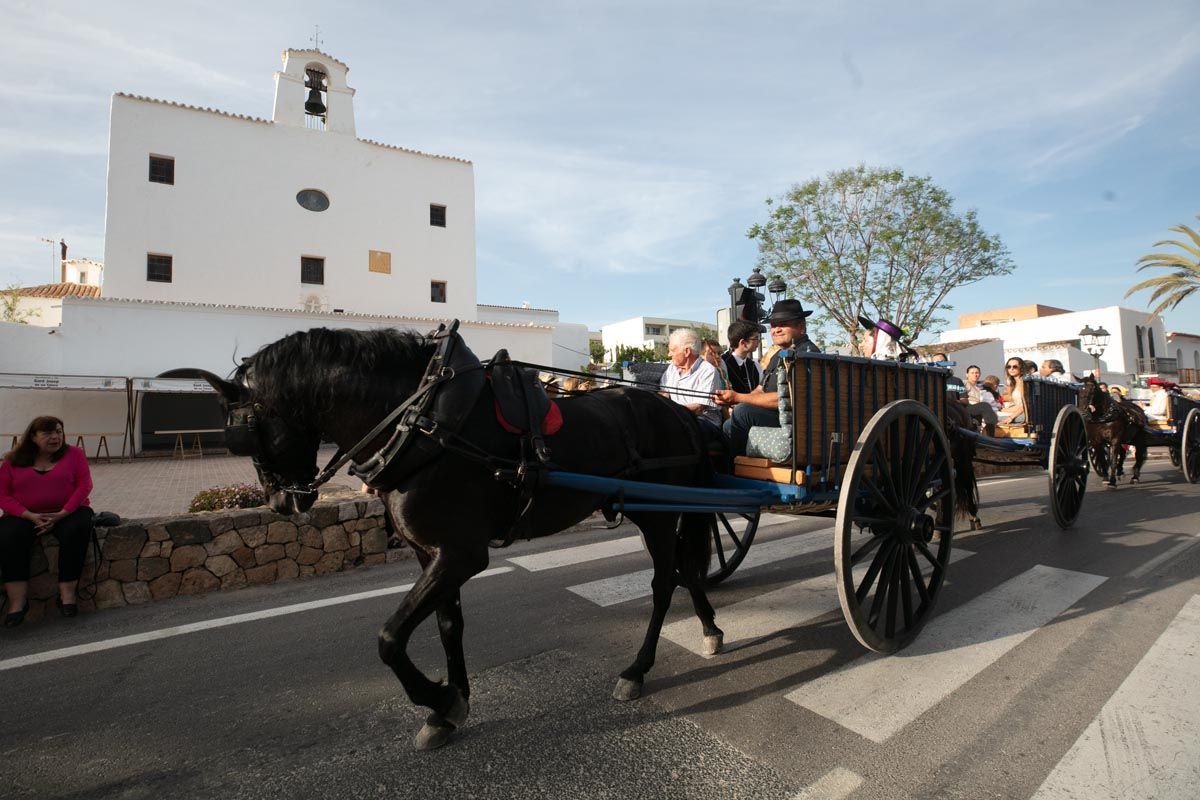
<point x="876" y="696"/>
<point x="767" y="614"/>
<point x="581" y="554"/>
<point x="839" y="782"/>
<point x="1143" y="742"/>
<point x="632" y="585"/>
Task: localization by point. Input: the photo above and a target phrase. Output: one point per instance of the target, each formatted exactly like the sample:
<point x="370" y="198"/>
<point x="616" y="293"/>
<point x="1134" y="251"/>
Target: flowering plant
<point x="241" y="495"/>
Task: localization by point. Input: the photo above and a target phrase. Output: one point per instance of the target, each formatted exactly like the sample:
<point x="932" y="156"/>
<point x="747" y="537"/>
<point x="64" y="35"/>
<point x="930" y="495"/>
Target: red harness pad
<point x="551" y="423"/>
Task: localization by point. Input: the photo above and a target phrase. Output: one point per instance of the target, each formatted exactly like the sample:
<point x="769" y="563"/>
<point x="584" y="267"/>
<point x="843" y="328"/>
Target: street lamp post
<point x="1094" y="341"/>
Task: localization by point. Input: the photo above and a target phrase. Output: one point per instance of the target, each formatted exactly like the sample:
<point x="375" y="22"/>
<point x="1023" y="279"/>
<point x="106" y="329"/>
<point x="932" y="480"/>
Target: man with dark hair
<point x="744" y="338"/>
<point x="760" y="407"/>
<point x="1052" y="369"/>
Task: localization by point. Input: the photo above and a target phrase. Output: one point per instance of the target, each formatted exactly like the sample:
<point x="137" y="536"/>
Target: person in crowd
<point x="1028" y="367"/>
<point x="992" y="384"/>
<point x="881" y="339"/>
<point x="744" y="374"/>
<point x="981" y="403"/>
<point x="711" y="352"/>
<point x="549" y="382"/>
<point x="1160" y="402"/>
<point x="1118" y="392"/>
<point x="760" y="407"/>
<point x="573" y="384"/>
<point x="690" y="380"/>
<point x="1052" y="369"/>
<point x="1014" y="405"/>
<point x="1102" y="386"/>
<point x="44" y="488"/>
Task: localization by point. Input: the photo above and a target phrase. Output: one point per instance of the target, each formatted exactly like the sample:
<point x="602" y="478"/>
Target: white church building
<point x="225" y="232"/>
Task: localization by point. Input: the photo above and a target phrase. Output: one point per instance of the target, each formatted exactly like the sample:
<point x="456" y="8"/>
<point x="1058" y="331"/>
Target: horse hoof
<point x="435" y="733"/>
<point x="976" y="524"/>
<point x="1135" y="480"/>
<point x="458" y="712"/>
<point x="627" y="689"/>
<point x="712" y="644"/>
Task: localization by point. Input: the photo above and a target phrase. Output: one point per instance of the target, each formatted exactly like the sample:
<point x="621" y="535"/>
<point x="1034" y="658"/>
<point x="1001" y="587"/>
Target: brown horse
<point x="1111" y="424"/>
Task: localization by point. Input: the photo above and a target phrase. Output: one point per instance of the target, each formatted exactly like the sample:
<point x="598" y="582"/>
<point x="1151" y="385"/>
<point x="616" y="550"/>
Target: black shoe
<point x="15" y="618"/>
<point x="68" y="609"/>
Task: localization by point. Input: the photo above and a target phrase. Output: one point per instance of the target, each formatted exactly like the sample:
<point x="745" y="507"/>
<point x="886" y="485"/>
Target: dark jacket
<point x="744" y="378"/>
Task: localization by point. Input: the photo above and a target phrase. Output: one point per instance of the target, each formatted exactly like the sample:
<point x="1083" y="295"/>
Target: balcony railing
<point x="1189" y="376"/>
<point x="1146" y="366"/>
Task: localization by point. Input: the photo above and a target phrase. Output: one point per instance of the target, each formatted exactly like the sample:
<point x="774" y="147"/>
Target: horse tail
<point x="966" y="487"/>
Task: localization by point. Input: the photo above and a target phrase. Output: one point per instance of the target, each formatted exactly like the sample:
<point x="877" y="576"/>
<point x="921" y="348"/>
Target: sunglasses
<point x="1013" y="366"/>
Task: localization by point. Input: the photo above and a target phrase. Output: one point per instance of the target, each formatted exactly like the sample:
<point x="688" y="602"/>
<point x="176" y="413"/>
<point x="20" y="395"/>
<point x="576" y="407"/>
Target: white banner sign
<point x="179" y="385"/>
<point x="90" y="382"/>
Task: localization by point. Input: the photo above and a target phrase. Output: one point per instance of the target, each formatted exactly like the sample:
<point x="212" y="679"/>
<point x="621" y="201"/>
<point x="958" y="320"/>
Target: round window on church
<point x="312" y="199"/>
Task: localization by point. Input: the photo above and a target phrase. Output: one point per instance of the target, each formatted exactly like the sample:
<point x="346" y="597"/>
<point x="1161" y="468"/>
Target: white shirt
<point x="1159" y="407"/>
<point x="698" y="385"/>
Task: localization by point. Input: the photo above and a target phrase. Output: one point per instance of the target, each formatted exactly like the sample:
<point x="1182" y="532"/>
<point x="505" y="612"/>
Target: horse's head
<point x="283" y="447"/>
<point x="1091" y="399"/>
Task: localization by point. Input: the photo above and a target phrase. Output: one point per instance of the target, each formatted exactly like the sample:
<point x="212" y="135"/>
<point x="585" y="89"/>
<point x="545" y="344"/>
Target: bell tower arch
<point x="311" y="92"/>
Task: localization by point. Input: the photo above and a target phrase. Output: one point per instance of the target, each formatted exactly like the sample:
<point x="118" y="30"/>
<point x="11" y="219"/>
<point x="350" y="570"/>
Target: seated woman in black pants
<point x="44" y="487"/>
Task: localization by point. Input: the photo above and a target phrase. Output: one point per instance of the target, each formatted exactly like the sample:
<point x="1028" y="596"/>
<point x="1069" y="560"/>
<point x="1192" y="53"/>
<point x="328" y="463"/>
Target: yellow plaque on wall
<point x="380" y="261"/>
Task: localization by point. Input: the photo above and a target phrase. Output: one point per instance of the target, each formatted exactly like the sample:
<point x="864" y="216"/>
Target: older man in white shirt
<point x="690" y="380"/>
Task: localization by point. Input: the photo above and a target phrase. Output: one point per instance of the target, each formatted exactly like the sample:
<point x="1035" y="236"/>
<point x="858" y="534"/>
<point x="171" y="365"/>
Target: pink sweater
<point x="64" y="488"/>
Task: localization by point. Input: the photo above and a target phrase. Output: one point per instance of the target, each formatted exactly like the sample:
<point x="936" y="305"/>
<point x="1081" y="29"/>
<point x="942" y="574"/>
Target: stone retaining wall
<point x="152" y="559"/>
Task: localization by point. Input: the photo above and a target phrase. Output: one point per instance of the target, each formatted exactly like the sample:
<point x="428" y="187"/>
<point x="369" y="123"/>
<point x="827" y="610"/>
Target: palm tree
<point x="1184" y="279"/>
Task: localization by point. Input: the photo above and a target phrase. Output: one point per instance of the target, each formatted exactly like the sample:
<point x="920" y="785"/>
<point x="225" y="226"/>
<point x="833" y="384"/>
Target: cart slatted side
<point x="1044" y="399"/>
<point x="833" y="399"/>
<point x="1180" y="406"/>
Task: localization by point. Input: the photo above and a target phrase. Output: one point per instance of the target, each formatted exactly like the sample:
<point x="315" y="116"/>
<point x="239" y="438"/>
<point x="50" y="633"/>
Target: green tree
<point x="875" y="242"/>
<point x="1172" y="289"/>
<point x="596" y="351"/>
<point x="643" y="354"/>
<point x="10" y="307"/>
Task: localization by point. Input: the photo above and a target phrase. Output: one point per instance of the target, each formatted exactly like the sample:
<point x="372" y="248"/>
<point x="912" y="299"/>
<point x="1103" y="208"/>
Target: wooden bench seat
<point x="1160" y="424"/>
<point x="1010" y="431"/>
<point x="760" y="469"/>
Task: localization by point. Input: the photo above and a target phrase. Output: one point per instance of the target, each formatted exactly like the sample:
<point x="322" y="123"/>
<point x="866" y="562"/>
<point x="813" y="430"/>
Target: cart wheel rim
<point x="729" y="545"/>
<point x="1190" y="446"/>
<point x="1069" y="466"/>
<point x="895" y="523"/>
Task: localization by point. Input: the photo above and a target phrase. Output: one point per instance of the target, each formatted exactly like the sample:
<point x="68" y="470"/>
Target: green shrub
<point x="241" y="495"/>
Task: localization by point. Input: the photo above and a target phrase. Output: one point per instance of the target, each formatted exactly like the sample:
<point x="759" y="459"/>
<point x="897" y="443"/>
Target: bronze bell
<point x="314" y="105"/>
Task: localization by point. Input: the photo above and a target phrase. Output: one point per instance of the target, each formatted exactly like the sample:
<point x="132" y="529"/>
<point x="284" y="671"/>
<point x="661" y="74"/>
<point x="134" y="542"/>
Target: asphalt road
<point x="1059" y="665"/>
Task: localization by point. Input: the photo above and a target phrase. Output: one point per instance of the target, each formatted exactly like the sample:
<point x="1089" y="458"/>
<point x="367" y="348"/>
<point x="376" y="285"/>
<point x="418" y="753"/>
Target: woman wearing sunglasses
<point x="1014" y="402"/>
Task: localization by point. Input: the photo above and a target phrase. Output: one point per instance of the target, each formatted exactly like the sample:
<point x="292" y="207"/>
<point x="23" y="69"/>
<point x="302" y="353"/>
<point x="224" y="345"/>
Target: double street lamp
<point x="745" y="300"/>
<point x="1094" y="341"/>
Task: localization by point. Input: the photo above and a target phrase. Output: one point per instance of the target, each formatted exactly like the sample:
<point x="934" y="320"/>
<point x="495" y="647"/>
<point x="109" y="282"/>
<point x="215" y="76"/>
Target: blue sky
<point x="622" y="149"/>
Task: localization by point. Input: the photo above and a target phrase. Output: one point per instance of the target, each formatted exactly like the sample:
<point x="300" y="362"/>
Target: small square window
<point x="312" y="269"/>
<point x="162" y="170"/>
<point x="437" y="216"/>
<point x="379" y="261"/>
<point x="158" y="268"/>
<point x="437" y="291"/>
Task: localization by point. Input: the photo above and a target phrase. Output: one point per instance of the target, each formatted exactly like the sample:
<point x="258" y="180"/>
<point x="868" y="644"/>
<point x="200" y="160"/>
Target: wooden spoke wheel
<point x="895" y="522"/>
<point x="1189" y="446"/>
<point x="731" y="535"/>
<point x="1068" y="467"/>
<point x="1173" y="452"/>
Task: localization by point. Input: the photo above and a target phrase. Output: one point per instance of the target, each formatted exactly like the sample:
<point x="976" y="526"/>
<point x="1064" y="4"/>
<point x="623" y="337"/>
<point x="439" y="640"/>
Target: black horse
<point x="454" y="478"/>
<point x="1111" y="424"/>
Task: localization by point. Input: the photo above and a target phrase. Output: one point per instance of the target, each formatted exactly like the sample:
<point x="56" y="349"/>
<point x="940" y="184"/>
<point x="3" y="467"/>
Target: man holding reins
<point x="760" y="407"/>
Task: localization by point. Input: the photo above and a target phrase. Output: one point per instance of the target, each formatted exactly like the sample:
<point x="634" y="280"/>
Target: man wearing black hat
<point x="760" y="407"/>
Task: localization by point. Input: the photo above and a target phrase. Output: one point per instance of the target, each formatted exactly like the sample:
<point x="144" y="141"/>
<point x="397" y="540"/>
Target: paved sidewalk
<point x="154" y="487"/>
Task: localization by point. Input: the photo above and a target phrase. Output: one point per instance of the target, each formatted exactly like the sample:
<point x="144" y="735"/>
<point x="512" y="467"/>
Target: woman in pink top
<point x="44" y="487"/>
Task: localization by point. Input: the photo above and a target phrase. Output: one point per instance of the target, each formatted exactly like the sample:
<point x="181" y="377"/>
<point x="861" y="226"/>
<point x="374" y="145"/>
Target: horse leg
<point x="1114" y="452"/>
<point x="659" y="536"/>
<point x="1139" y="457"/>
<point x="692" y="556"/>
<point x="439" y="584"/>
<point x="450" y="630"/>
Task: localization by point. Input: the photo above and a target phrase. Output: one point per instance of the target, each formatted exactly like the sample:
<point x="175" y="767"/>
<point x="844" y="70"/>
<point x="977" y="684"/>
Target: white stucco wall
<point x="1119" y="359"/>
<point x="236" y="233"/>
<point x="632" y="332"/>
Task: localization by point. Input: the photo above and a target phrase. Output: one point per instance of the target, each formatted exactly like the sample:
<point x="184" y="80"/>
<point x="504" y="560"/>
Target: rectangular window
<point x="162" y="170"/>
<point x="654" y="330"/>
<point x="379" y="261"/>
<point x="312" y="269"/>
<point x="437" y="291"/>
<point x="158" y="268"/>
<point x="437" y="216"/>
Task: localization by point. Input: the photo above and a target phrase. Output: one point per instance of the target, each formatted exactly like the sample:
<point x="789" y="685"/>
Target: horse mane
<point x="296" y="372"/>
